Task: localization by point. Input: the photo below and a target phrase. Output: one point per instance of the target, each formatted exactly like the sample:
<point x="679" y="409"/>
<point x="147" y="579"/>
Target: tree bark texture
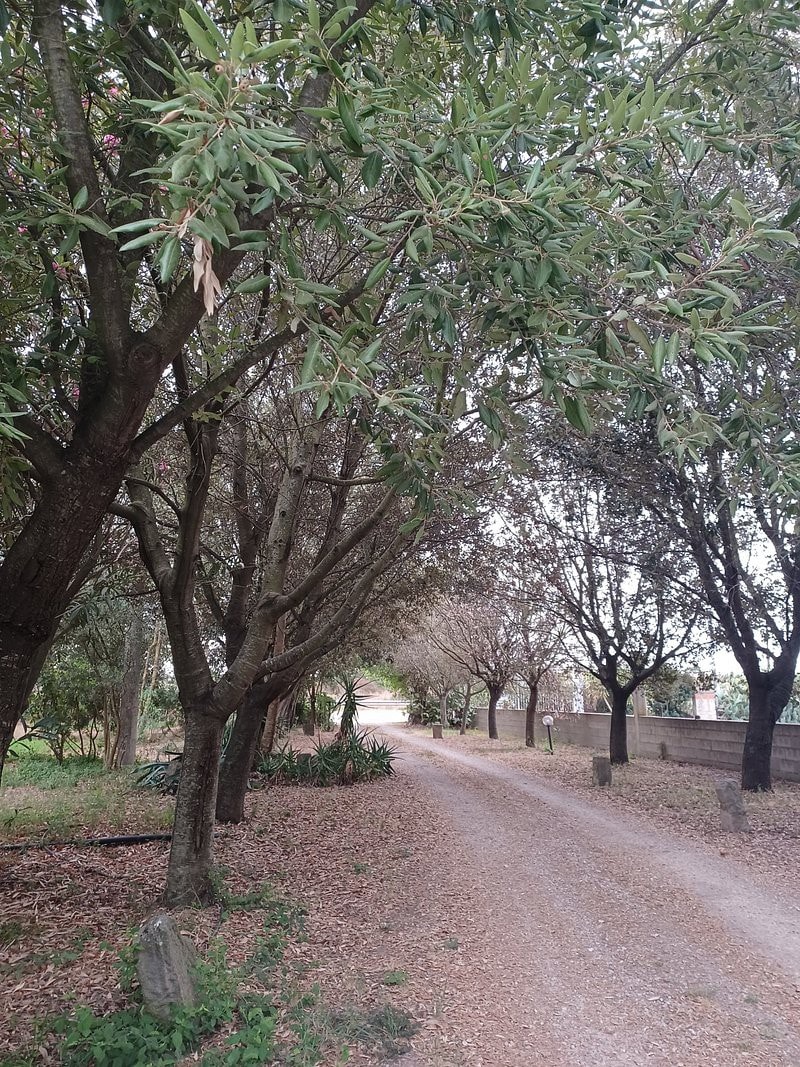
<point x="530" y="713"/>
<point x="766" y="704"/>
<point x="267" y="741"/>
<point x="240" y="755"/>
<point x="494" y="697"/>
<point x="443" y="709"/>
<point x="38" y="572"/>
<point x="191" y="855"/>
<point x="618" y="741"/>
<point x="466" y="709"/>
<point x="131" y="692"/>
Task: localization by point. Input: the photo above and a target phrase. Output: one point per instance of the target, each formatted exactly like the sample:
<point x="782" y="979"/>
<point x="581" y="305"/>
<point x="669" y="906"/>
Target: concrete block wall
<point x="708" y="742"/>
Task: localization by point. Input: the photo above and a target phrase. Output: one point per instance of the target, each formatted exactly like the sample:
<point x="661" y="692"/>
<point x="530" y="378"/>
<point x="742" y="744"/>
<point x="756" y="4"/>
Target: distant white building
<point x="704" y="703"/>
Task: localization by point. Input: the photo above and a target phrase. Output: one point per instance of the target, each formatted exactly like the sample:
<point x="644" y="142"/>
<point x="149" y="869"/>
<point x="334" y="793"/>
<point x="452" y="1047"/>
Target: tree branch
<point x="103" y="270"/>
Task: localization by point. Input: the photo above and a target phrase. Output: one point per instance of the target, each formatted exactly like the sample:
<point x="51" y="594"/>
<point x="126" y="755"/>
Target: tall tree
<point x="613" y="577"/>
<point x="161" y="162"/>
<point x="746" y="545"/>
<point x="483" y="638"/>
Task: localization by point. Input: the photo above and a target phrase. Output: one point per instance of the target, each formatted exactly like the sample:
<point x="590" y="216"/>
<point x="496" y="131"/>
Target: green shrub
<point x="66" y="700"/>
<point x="161" y="707"/>
<point x="359" y="757"/>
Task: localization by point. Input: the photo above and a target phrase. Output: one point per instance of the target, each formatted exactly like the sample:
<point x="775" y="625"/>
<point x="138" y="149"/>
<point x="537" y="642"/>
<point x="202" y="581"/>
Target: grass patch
<point x="320" y="1033"/>
<point x="137" y="1039"/>
<point x="395" y="978"/>
<point x="10" y="932"/>
<point x="45" y="772"/>
<point x="42" y="800"/>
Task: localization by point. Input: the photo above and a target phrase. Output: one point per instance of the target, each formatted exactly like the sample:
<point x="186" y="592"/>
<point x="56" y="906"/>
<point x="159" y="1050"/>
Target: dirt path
<point x="609" y="942"/>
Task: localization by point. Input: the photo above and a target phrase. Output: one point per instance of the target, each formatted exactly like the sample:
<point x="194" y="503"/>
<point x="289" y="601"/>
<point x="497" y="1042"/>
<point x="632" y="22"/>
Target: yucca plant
<point x="163" y="775"/>
<point x="348" y="703"/>
<point x="355" y="758"/>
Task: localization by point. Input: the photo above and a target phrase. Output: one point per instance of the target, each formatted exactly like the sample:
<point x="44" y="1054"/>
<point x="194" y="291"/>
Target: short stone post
<point x="437" y="732"/>
<point x="164" y="965"/>
<point x="732" y="812"/>
<point x="601" y="770"/>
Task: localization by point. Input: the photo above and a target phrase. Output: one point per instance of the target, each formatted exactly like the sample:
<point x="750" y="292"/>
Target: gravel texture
<point x="623" y="942"/>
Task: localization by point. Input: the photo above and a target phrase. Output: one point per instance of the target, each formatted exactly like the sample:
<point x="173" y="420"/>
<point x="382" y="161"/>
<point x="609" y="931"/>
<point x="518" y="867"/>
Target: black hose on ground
<point x="105" y="842"/>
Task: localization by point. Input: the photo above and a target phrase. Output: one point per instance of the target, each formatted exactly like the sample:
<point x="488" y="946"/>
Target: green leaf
<point x="638" y="335"/>
<point x="90" y="222"/>
<point x="168" y="256"/>
<point x="344" y="105"/>
<point x="199" y="38"/>
<point x="310" y="362"/>
<point x="146" y="239"/>
<point x="377" y="273"/>
<point x="139" y="224"/>
<point x="741" y="212"/>
<point x="578" y="416"/>
<point x="81" y="198"/>
<point x="791" y="216"/>
<point x="659" y="354"/>
<point x="371" y="170"/>
<point x="277" y="48"/>
<point x="111" y="11"/>
<point x="402" y="50"/>
<point x="253" y="285"/>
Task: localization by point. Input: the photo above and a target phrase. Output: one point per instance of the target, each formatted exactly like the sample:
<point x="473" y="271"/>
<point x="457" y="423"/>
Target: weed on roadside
<point x="316" y="1028"/>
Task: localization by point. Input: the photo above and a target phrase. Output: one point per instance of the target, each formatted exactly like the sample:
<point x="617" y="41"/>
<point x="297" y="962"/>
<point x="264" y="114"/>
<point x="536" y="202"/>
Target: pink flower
<point x="111" y="141"/>
<point x="22" y="229"/>
<point x="113" y="91"/>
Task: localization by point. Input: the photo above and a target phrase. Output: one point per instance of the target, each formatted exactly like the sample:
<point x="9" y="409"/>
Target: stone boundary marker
<point x="601" y="770"/>
<point x="165" y="966"/>
<point x="732" y="812"/>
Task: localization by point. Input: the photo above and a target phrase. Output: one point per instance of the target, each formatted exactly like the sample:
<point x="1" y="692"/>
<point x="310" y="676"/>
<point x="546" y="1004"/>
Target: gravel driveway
<point x="609" y="942"/>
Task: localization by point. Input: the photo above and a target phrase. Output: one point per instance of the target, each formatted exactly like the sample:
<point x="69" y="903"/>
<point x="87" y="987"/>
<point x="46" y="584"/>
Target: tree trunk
<point x="41" y="571"/>
<point x="19" y="668"/>
<point x="443" y="708"/>
<point x="309" y="722"/>
<point x="310" y="717"/>
<point x="766" y="704"/>
<point x="131" y="692"/>
<point x="618" y="743"/>
<point x="530" y="713"/>
<point x="191" y="855"/>
<point x="494" y="696"/>
<point x="240" y="756"/>
<point x="270" y="725"/>
<point x="465" y="711"/>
